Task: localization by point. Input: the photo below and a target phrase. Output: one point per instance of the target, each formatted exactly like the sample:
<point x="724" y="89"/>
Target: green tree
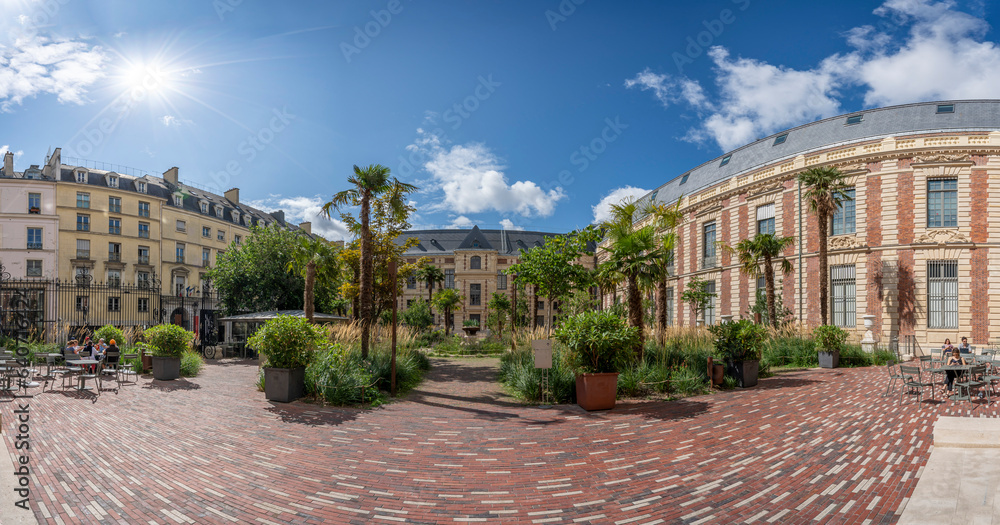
<point x="757" y="256"/>
<point x="418" y="315"/>
<point x="430" y="274"/>
<point x="252" y="276"/>
<point x="369" y="184"/>
<point x="665" y="220"/>
<point x="697" y="295"/>
<point x="631" y="249"/>
<point x="499" y="307"/>
<point x="314" y="258"/>
<point x="825" y="190"/>
<point x="447" y="300"/>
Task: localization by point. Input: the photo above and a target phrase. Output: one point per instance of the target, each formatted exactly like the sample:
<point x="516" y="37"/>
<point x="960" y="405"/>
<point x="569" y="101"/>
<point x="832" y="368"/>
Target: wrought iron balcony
<point x="180" y="259"/>
<point x="143" y="259"/>
<point x="114" y="282"/>
<point x="114" y="257"/>
<point x="34" y="246"/>
<point x="83" y="254"/>
<point x="709" y="262"/>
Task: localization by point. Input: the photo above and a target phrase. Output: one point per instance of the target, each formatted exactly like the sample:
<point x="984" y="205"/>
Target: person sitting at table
<point x="71" y="346"/>
<point x="955" y="359"/>
<point x="964" y="347"/>
<point x="88" y="347"/>
<point x="99" y="349"/>
<point x="946" y="349"/>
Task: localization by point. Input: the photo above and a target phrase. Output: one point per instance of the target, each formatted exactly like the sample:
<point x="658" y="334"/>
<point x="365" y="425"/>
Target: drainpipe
<point x="801" y="291"/>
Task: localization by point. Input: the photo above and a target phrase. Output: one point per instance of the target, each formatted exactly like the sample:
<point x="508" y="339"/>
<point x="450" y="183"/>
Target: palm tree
<point x="665" y="219"/>
<point x="764" y="249"/>
<point x="447" y="299"/>
<point x="313" y="256"/>
<point x="369" y="183"/>
<point x="826" y="189"/>
<point x="607" y="279"/>
<point x="631" y="249"/>
<point x="430" y="274"/>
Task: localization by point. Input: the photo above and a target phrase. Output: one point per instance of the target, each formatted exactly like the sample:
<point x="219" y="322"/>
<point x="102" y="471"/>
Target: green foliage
<point x="108" y="332"/>
<point x="553" y="267"/>
<point x="829" y="338"/>
<point x="417" y="315"/>
<point x="337" y="374"/>
<point x="499" y="308"/>
<point x="252" y="276"/>
<point x="783" y="313"/>
<point x="697" y="295"/>
<point x="741" y="340"/>
<point x="287" y="341"/>
<point x="447" y="300"/>
<point x="168" y="340"/>
<point x="430" y="338"/>
<point x="523" y="380"/>
<point x="581" y="301"/>
<point x="597" y="342"/>
<point x="459" y="346"/>
<point x="191" y="364"/>
<point x="470" y="322"/>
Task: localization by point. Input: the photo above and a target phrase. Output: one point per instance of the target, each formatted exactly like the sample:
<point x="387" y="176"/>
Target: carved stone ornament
<point x="941" y="237"/>
<point x="764" y="189"/>
<point x="857" y="166"/>
<point x="844" y="242"/>
<point x="709" y="209"/>
<point x="939" y="158"/>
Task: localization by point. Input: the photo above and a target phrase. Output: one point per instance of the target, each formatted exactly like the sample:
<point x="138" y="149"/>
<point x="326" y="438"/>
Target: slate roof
<point x="447" y="242"/>
<point x="969" y="115"/>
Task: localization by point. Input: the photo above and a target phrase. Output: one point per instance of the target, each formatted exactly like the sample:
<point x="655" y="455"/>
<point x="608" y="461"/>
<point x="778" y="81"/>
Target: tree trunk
<point x="661" y="308"/>
<point x="600" y="293"/>
<point x="534" y="310"/>
<point x="824" y="275"/>
<point x="635" y="310"/>
<point x="366" y="273"/>
<point x="309" y="297"/>
<point x="772" y="312"/>
<point x="447" y="325"/>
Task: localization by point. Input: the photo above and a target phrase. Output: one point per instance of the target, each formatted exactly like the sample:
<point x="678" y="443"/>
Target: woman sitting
<point x="946" y="349"/>
<point x="955" y="359"/>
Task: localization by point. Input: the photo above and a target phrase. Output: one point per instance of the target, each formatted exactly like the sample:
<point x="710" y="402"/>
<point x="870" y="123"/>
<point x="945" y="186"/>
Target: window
<point x="541" y="304"/>
<point x="33" y="268"/>
<point x="843" y="294"/>
<point x="237" y="239"/>
<point x="143" y="255"/>
<point x="222" y="236"/>
<point x="843" y="218"/>
<point x="206" y="231"/>
<point x="670" y="306"/>
<point x="114" y="304"/>
<point x="179" y="285"/>
<point x="34" y="238"/>
<point x="765" y="219"/>
<point x="946" y="108"/>
<point x="475" y="244"/>
<point x="35" y="203"/>
<point x="81" y="177"/>
<point x="181" y="226"/>
<point x="942" y="203"/>
<point x="540" y="321"/>
<point x="761" y="288"/>
<point x="710" y="308"/>
<point x="178" y="200"/>
<point x="236" y="217"/>
<point x="684" y="178"/>
<point x="501" y="280"/>
<point x="112" y="181"/>
<point x="218" y="211"/>
<point x="475" y="263"/>
<point x="725" y="160"/>
<point x="855" y="119"/>
<point x="82" y="200"/>
<point x="206" y="255"/>
<point x="652" y="198"/>
<point x="475" y="294"/>
<point x="83" y="223"/>
<point x="140" y="186"/>
<point x="83" y="249"/>
<point x="142" y="279"/>
<point x="143" y="209"/>
<point x="115" y="278"/>
<point x="942" y="294"/>
<point x="204" y="207"/>
<point x="142" y="305"/>
<point x="115" y="226"/>
<point x="708" y="249"/>
<point x="115" y="204"/>
<point x="144" y="230"/>
<point x="180" y="252"/>
<point x="411" y="283"/>
<point x="82" y="302"/>
<point x="780" y="139"/>
<point x="449" y="278"/>
<point x="114" y="252"/>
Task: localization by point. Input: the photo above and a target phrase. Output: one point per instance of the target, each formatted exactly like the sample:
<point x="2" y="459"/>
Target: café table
<point x="82" y="363"/>
<point x="955" y="368"/>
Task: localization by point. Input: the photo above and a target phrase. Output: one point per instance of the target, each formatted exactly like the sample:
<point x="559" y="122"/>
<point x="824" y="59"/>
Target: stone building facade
<point x="918" y="248"/>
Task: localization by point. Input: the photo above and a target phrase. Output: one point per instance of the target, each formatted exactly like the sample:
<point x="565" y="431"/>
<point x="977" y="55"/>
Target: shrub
<point x="470" y="323"/>
<point x="417" y="315"/>
<point x="739" y="340"/>
<point x="191" y="364"/>
<point x="597" y="342"/>
<point x="337" y="373"/>
<point x="168" y="340"/>
<point x="287" y="341"/>
<point x="523" y="380"/>
<point x="829" y="338"/>
<point x="108" y="332"/>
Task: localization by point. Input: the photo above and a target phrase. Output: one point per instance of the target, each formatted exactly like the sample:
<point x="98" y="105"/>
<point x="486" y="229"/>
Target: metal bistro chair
<point x="125" y="369"/>
<point x="110" y="364"/>
<point x="893" y="376"/>
<point x="974" y="379"/>
<point x="913" y="382"/>
<point x="95" y="373"/>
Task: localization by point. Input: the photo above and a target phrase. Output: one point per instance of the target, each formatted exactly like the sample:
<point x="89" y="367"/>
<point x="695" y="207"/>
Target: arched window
<point x="475" y="263"/>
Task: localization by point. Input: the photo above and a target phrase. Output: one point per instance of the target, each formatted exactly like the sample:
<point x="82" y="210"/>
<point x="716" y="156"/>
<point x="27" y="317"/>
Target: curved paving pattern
<point x="813" y="445"/>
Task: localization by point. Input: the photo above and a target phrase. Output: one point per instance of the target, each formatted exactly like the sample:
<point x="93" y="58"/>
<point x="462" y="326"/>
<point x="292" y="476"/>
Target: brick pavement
<point x="805" y="446"/>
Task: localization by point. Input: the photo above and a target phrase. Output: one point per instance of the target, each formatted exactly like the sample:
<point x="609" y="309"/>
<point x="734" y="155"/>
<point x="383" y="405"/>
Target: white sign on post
<point x="543" y="353"/>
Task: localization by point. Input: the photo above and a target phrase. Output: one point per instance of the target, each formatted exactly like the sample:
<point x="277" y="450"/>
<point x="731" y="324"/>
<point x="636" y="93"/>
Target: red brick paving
<point x="812" y="445"/>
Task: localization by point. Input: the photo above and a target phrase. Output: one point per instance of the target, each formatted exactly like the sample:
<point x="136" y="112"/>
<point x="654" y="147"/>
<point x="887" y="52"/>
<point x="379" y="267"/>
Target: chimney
<point x="233" y="195"/>
<point x="8" y="164"/>
<point x="171" y="175"/>
<point x="306" y="227"/>
<point x="279" y="216"/>
<point x="52" y="167"/>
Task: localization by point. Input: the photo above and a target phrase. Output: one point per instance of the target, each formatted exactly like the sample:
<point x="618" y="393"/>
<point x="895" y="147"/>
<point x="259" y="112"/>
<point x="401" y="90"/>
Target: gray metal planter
<point x="829" y="359"/>
<point x="284" y="385"/>
<point x="166" y="368"/>
<point x="745" y="372"/>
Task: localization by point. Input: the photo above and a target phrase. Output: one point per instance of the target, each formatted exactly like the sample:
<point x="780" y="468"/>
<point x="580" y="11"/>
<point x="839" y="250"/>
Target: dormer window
<point x="204" y="207"/>
<point x="112" y="181"/>
<point x="236" y="217"/>
<point x="218" y="211"/>
<point x="81" y="177"/>
<point x="140" y="186"/>
<point x="178" y="200"/>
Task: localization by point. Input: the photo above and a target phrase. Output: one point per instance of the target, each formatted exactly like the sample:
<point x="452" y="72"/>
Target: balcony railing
<point x="180" y="259"/>
<point x="709" y="262"/>
<point x="204" y="263"/>
<point x="83" y="254"/>
<point x="115" y="209"/>
<point x="34" y="210"/>
<point x="114" y="282"/>
<point x="143" y="259"/>
<point x="34" y="246"/>
<point x="114" y="257"/>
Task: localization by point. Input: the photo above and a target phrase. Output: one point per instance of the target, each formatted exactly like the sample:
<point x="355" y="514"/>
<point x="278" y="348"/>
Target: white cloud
<point x="508" y="224"/>
<point x="170" y="120"/>
<point x="35" y="64"/>
<point x="472" y="180"/>
<point x="305" y="209"/>
<point x="602" y="210"/>
<point x="461" y="222"/>
<point x="920" y="50"/>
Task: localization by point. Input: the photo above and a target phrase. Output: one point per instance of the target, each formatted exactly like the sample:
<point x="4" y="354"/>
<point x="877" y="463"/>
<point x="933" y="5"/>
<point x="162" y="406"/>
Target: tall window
<point x="34" y="238"/>
<point x="206" y="231"/>
<point x="142" y="279"/>
<point x="237" y="239"/>
<point x="143" y="255"/>
<point x="140" y="186"/>
<point x="222" y="236"/>
<point x="760" y="293"/>
<point x="843" y="294"/>
<point x="114" y="278"/>
<point x="142" y="305"/>
<point x="942" y="294"/>
<point x="180" y="252"/>
<point x="83" y="223"/>
<point x="144" y="230"/>
<point x="82" y="200"/>
<point x="83" y="249"/>
<point x="411" y="283"/>
<point x="475" y="294"/>
<point x="181" y="226"/>
<point x="843" y="218"/>
<point x="33" y="269"/>
<point x="35" y="203"/>
<point x="115" y="226"/>
<point x="475" y="263"/>
<point x="670" y="306"/>
<point x="942" y="203"/>
<point x="708" y="248"/>
<point x="765" y="218"/>
<point x="114" y="251"/>
<point x="501" y="280"/>
<point x="449" y="278"/>
<point x="115" y="204"/>
<point x="206" y="254"/>
<point x="179" y="285"/>
<point x="710" y="308"/>
<point x="143" y="209"/>
<point x="114" y="304"/>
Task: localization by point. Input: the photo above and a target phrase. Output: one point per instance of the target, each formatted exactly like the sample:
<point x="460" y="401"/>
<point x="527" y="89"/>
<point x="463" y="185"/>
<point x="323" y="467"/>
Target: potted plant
<point x="829" y="342"/>
<point x="470" y="327"/>
<point x="167" y="343"/>
<point x="740" y="345"/>
<point x="598" y="345"/>
<point x="286" y="343"/>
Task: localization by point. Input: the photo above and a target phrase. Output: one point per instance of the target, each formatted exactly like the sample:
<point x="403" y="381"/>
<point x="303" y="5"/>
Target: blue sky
<point x="534" y="114"/>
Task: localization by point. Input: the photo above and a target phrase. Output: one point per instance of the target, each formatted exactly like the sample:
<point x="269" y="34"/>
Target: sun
<point x="149" y="77"/>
